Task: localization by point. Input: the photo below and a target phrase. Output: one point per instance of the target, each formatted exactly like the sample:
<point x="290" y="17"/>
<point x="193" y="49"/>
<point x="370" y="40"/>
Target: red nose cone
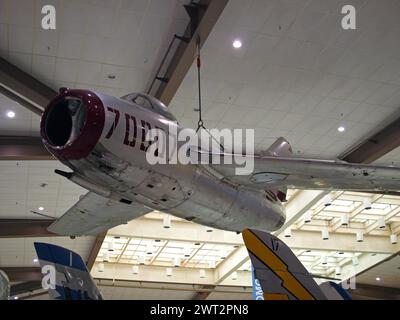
<point x="72" y="124"/>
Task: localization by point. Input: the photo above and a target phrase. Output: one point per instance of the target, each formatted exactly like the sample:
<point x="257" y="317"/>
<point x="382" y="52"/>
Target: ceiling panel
<point x="92" y="40"/>
<point x="300" y="72"/>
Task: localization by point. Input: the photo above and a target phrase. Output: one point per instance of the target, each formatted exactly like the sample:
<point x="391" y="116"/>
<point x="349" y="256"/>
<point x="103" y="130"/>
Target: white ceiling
<point x="388" y="272"/>
<point x="298" y="74"/>
<point x="93" y="38"/>
<point x="21" y="190"/>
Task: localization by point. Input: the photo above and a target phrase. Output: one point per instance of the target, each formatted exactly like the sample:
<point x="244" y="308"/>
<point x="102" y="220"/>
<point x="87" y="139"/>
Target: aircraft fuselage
<point x="106" y="147"/>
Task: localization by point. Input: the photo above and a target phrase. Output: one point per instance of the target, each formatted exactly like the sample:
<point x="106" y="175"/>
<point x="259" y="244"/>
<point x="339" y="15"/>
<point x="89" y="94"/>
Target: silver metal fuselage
<point x="118" y="164"/>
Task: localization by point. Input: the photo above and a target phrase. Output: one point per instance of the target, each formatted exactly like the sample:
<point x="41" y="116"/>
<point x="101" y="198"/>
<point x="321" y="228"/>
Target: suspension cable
<point x="200" y="123"/>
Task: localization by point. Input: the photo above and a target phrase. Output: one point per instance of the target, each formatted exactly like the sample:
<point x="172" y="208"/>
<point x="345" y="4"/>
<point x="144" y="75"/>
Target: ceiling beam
<point x="203" y="295"/>
<point x="155" y="273"/>
<point x="375" y="146"/>
<point x="231" y="264"/>
<point x="303" y="201"/>
<point x="23" y="148"/>
<point x="181" y="230"/>
<point x="186" y="52"/>
<point x="19" y="228"/>
<point x="16" y="274"/>
<point x="346" y="242"/>
<point x="95" y="250"/>
<point x="23" y="88"/>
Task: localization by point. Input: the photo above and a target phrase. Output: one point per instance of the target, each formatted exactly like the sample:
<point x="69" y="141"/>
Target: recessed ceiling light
<point x="111" y="76"/>
<point x="341" y="129"/>
<point x="15" y="298"/>
<point x="11" y="114"/>
<point x="35" y="260"/>
<point x="378" y="279"/>
<point x="237" y="44"/>
<point x="41" y="208"/>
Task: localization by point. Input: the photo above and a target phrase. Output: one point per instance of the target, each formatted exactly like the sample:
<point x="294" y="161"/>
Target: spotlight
<point x="100" y="267"/>
<point x="135" y="269"/>
<point x="167" y="221"/>
<point x="234" y="275"/>
<point x="393" y="239"/>
<point x="355" y="261"/>
<point x="324" y="260"/>
<point x="208" y="229"/>
<point x="106" y="258"/>
<point x="307" y="217"/>
<point x="327" y="200"/>
<point x="111" y="246"/>
<point x="177" y="262"/>
<point x="202" y="273"/>
<point x="223" y="254"/>
<point x="141" y="259"/>
<point x="186" y="252"/>
<point x="381" y="223"/>
<point x="10" y="114"/>
<point x="168" y="272"/>
<point x="149" y="249"/>
<point x="359" y="236"/>
<point x="338" y="271"/>
<point x="287" y="233"/>
<point x="367" y="204"/>
<point x="325" y="234"/>
<point x="344" y="220"/>
<point x="237" y="44"/>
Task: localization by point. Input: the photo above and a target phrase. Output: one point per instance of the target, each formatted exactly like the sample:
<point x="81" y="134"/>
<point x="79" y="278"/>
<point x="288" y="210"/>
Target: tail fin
<point x="280" y="148"/>
<point x="4" y="286"/>
<point x="333" y="291"/>
<point x="71" y="279"/>
<point x="280" y="274"/>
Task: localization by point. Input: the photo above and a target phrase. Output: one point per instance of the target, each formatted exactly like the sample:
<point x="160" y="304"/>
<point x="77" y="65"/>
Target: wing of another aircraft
<point x="93" y="214"/>
<point x="276" y="172"/>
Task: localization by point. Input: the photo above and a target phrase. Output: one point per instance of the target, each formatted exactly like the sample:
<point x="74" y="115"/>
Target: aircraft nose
<point x="72" y="124"/>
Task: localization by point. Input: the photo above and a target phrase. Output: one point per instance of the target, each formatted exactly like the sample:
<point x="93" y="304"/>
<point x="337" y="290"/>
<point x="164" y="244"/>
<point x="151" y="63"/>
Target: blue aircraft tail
<point x="65" y="274"/>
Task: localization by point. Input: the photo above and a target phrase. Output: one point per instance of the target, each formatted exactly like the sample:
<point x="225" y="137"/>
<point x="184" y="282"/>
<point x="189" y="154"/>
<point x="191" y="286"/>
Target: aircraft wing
<point x="93" y="214"/>
<point x="277" y="172"/>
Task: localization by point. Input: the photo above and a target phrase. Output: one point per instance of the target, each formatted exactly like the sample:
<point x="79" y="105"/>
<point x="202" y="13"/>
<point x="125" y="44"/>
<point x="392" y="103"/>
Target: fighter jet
<point x="104" y="141"/>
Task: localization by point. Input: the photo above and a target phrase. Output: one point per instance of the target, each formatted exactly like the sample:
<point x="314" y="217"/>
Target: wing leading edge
<point x="93" y="214"/>
<point x="278" y="172"/>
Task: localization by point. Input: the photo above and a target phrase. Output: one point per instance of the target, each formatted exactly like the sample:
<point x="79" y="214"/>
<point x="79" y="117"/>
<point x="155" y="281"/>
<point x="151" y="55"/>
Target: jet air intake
<point x="72" y="124"/>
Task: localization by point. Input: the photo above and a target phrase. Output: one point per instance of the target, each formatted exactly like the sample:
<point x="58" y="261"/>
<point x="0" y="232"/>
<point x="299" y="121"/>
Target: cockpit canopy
<point x="150" y="103"/>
